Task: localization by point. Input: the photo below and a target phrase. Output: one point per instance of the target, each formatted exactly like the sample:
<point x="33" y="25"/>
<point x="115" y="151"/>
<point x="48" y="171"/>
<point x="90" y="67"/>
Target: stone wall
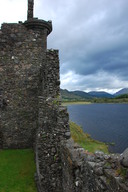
<point x="50" y="79"/>
<point x="20" y="60"/>
<point x="53" y="128"/>
<point x="63" y="166"/>
<point x="86" y="172"/>
<point x="27" y="70"/>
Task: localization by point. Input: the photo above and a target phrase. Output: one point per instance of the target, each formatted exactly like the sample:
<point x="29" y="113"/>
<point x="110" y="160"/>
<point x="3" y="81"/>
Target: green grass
<point x="17" y="168"/>
<point x="122" y="172"/>
<point x="85" y="140"/>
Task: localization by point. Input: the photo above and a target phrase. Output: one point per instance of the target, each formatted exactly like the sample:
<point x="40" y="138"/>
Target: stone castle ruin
<point x="32" y="115"/>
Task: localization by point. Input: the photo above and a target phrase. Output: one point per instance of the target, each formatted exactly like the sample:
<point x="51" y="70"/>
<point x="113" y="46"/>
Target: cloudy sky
<point x="91" y="35"/>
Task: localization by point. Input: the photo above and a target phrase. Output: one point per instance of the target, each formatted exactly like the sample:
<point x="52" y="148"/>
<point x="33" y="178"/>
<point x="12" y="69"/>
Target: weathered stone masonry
<point x="86" y="172"/>
<point x="32" y="116"/>
<point x="22" y="53"/>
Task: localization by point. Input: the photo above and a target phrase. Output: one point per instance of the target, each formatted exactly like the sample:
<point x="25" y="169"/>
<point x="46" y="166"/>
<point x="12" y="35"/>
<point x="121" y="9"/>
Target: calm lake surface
<point x="104" y="122"/>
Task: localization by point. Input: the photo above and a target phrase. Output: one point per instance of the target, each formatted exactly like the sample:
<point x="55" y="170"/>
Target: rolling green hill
<point x="74" y="95"/>
<point x="93" y="97"/>
<point x="100" y="94"/>
<point x="122" y="96"/>
<point x="82" y="94"/>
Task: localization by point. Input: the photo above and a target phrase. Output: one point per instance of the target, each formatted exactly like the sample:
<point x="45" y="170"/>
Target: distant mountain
<point x="121" y="92"/>
<point x="82" y="94"/>
<point x="122" y="96"/>
<point x="100" y="94"/>
<point x="74" y="95"/>
<point x="94" y="96"/>
<point x="67" y="95"/>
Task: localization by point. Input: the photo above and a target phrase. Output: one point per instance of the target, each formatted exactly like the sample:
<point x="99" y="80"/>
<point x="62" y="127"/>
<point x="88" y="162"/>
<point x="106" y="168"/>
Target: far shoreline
<point x="66" y="103"/>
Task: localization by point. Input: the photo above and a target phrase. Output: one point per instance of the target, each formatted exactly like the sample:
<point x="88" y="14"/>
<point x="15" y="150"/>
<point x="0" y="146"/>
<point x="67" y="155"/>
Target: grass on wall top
<point x="85" y="141"/>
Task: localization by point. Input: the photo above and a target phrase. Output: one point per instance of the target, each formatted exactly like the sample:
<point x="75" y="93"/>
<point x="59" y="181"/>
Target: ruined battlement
<point x="28" y="70"/>
<point x="38" y="24"/>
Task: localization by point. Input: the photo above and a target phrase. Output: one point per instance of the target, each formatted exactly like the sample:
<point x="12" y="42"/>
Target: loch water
<point x="104" y="122"/>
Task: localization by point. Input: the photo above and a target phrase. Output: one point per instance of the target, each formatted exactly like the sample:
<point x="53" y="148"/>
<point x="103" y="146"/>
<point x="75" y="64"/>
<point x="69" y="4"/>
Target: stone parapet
<point x="53" y="128"/>
<point x="86" y="172"/>
<point x="38" y="24"/>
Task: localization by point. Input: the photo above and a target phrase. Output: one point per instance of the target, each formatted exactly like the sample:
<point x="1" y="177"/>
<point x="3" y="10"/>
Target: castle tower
<point x="45" y="27"/>
<point x="27" y="71"/>
<point x="30" y="111"/>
